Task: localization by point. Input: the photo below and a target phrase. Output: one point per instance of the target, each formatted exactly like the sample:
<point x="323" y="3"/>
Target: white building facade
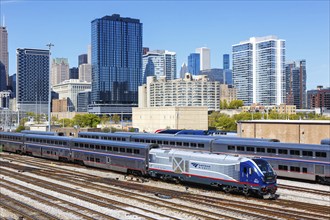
<point x="205" y="58"/>
<point x="70" y="89"/>
<point x="259" y="70"/>
<point x="198" y="92"/>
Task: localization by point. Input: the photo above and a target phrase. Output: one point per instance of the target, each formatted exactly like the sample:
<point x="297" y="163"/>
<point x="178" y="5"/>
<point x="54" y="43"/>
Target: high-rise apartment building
<point x="12" y="84"/>
<point x="4" y="71"/>
<point x="189" y="91"/>
<point x="117" y="63"/>
<point x="159" y="63"/>
<point x="226" y="62"/>
<point x="318" y="98"/>
<point x="205" y="58"/>
<point x="32" y="80"/>
<point x="194" y="63"/>
<point x="60" y="70"/>
<point x="259" y="70"/>
<point x="295" y="83"/>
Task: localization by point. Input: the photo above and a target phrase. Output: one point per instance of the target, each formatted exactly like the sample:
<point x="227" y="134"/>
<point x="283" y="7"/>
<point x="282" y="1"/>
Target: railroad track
<point x="23" y="210"/>
<point x="301" y="189"/>
<point x="318" y="212"/>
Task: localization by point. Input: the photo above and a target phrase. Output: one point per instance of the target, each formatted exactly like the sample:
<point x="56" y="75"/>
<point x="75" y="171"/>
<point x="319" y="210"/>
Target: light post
<point x="50" y="45"/>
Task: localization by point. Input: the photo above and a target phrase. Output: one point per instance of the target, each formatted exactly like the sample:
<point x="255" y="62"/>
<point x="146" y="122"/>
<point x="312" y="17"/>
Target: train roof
<point x="50" y="137"/>
<point x="11" y="133"/>
<point x="273" y="144"/>
<point x="112" y="143"/>
<point x="39" y="132"/>
<point x="223" y="158"/>
<point x="325" y="141"/>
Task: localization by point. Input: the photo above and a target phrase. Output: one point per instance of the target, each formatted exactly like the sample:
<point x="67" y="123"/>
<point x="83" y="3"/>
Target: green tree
<point x="225" y="122"/>
<point x="54" y="120"/>
<point x="224" y="104"/>
<point x="20" y="128"/>
<point x="66" y="122"/>
<point x="116" y="118"/>
<point x="235" y="104"/>
<point x="104" y="119"/>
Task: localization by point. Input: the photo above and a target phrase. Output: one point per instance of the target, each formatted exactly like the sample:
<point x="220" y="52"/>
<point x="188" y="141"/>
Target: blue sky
<point x="179" y="26"/>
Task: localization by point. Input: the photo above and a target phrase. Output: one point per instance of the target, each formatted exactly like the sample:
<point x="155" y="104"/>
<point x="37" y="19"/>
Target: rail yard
<point x="36" y="188"/>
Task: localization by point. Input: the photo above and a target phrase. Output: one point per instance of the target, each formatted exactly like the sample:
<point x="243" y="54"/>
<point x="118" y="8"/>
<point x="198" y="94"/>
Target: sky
<point x="178" y="26"/>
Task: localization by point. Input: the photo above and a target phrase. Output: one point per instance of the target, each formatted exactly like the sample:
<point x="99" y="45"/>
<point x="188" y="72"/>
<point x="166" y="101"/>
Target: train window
<point x="92" y="159"/>
<point x="201" y="145"/>
<point x="91" y="146"/>
<point x="122" y="150"/>
<point x="87" y="158"/>
<point x="294" y="152"/>
<point x="320" y="154"/>
<point x="307" y="153"/>
<point x="115" y="149"/>
<point x="294" y="169"/>
<point x="86" y="145"/>
<point x="118" y="139"/>
<point x="159" y="142"/>
<point x="245" y="170"/>
<point x="250" y="170"/>
<point x="271" y="150"/>
<point x="102" y="147"/>
<point x="129" y="150"/>
<point x="282" y="151"/>
<point x="230" y="147"/>
<point x="76" y="144"/>
<point x="97" y="160"/>
<point x="64" y="143"/>
<point x="109" y="148"/>
<point x="165" y="142"/>
<point x="60" y="143"/>
<point x="193" y="144"/>
<point x="240" y="148"/>
<point x="97" y="147"/>
<point x="250" y="149"/>
<point x="172" y="143"/>
<point x="185" y="144"/>
<point x="142" y="140"/>
<point x="122" y="139"/>
<point x="282" y="167"/>
<point x="153" y="141"/>
<point x="147" y="141"/>
<point x="56" y="142"/>
<point x="81" y="145"/>
<point x="178" y="143"/>
<point x="259" y="149"/>
<point x="136" y="151"/>
<point x="136" y="140"/>
<point x="55" y="153"/>
<point x="304" y="170"/>
<point x="48" y="152"/>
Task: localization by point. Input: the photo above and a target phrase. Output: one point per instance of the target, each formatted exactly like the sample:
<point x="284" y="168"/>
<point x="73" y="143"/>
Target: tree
<point x="116" y="118"/>
<point x="66" y="122"/>
<point x="20" y="128"/>
<point x="235" y="104"/>
<point x="104" y="119"/>
<point x="86" y="120"/>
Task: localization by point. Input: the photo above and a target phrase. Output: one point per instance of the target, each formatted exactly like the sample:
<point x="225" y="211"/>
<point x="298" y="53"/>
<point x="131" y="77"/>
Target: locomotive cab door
<point x="247" y="173"/>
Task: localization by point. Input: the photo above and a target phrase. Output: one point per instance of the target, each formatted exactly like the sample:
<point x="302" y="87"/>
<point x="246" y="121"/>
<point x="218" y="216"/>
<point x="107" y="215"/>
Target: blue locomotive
<point x="230" y="173"/>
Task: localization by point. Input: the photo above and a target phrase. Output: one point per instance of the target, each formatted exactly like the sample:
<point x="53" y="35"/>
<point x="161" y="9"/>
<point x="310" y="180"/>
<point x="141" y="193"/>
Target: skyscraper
<point x="259" y="70"/>
<point x="82" y="59"/>
<point x="32" y="80"/>
<point x="73" y="73"/>
<point x="116" y="60"/>
<point x="226" y="63"/>
<point x="295" y="83"/>
<point x="194" y="63"/>
<point x="159" y="63"/>
<point x="60" y="70"/>
<point x="205" y="58"/>
<point x="183" y="70"/>
<point x="4" y="71"/>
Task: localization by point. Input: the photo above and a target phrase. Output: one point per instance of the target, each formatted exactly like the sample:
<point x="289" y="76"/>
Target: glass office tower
<point x="194" y="63"/>
<point x="116" y="61"/>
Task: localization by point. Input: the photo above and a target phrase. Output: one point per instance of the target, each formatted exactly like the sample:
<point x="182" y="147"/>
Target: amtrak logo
<point x="201" y="166"/>
<point x="194" y="164"/>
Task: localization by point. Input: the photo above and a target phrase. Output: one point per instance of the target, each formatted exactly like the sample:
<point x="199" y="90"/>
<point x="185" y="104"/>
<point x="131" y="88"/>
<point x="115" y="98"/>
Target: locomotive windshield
<point x="264" y="166"/>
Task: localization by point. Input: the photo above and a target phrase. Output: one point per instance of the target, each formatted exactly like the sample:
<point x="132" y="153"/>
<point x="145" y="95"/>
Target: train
<point x="299" y="161"/>
<point x="227" y="172"/>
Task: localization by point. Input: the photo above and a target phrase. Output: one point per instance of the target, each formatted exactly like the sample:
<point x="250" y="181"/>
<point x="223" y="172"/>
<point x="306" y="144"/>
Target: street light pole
<point x="50" y="45"/>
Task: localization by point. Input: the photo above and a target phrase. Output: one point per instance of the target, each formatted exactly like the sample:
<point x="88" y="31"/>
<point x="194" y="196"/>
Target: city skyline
<point x="189" y="27"/>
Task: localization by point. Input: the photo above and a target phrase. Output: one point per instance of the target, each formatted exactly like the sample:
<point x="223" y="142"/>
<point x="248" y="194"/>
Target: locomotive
<point x="230" y="173"/>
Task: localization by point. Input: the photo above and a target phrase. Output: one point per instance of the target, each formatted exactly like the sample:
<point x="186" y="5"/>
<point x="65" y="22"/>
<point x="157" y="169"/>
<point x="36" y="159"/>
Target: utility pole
<point x="50" y="45"/>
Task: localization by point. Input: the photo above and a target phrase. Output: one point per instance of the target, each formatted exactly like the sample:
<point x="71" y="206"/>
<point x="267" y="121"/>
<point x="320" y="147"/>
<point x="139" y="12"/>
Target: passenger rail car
<point x="230" y="173"/>
<point x="325" y="141"/>
<point x="50" y="133"/>
<point x="301" y="161"/>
